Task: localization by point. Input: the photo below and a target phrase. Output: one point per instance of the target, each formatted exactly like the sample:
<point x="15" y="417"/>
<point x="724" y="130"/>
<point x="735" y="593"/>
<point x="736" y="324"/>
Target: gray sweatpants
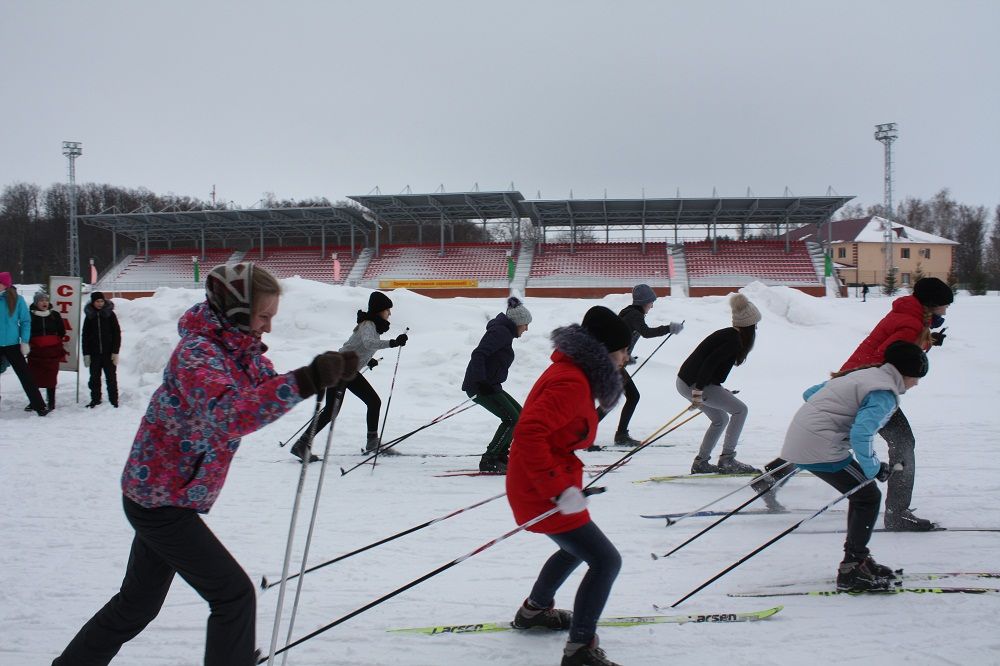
<point x="722" y="408"/>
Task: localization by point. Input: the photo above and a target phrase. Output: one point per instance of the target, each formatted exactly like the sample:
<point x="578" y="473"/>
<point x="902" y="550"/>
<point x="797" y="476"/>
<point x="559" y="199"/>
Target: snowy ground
<point x="65" y="540"/>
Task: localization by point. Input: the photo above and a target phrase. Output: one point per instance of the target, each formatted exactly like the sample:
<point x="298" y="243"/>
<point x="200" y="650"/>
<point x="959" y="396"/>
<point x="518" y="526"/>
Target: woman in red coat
<point x="910" y="320"/>
<point x="559" y="417"/>
<point x="47" y="351"/>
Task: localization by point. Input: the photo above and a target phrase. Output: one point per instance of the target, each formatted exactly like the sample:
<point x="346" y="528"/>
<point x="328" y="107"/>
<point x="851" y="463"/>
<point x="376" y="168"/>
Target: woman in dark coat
<point x="47" y="351"/>
<point x="101" y="340"/>
<point x="487" y="371"/>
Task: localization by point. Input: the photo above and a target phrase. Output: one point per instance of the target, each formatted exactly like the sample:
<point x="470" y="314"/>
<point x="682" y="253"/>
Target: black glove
<point x="883" y="472"/>
<point x="399" y="340"/>
<point x="938" y="337"/>
<point x="326" y="370"/>
<point x="372" y="363"/>
<point x="484" y="388"/>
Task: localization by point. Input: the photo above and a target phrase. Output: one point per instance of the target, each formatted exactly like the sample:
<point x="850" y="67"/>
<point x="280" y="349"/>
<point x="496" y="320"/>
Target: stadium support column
<point x="441" y="251"/>
<point x="886" y="134"/>
<point x="73" y="150"/>
<point x="322" y="241"/>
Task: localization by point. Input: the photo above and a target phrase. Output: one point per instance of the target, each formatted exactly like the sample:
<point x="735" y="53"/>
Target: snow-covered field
<point x="65" y="539"/>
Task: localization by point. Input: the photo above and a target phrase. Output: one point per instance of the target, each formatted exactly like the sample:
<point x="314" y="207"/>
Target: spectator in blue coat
<point x="15" y="332"/>
<point x="485" y="375"/>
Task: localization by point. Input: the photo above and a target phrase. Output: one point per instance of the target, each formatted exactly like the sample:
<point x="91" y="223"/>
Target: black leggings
<point x="360" y="387"/>
<point x="631" y="402"/>
<point x="13" y="355"/>
<point x="171" y="540"/>
<point x="862" y="508"/>
<point x="902" y="444"/>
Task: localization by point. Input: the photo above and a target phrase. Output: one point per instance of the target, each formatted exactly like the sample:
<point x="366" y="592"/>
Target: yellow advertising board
<point x="428" y="284"/>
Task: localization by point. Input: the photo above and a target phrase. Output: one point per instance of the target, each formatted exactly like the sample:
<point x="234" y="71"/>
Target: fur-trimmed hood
<point x="588" y="354"/>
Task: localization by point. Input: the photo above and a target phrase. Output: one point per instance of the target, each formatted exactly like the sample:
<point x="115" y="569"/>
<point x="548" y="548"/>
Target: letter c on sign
<point x="64" y="290"/>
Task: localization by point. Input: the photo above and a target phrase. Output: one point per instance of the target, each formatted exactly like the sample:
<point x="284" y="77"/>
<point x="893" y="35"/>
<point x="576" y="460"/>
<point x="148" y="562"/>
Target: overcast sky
<point x="331" y="99"/>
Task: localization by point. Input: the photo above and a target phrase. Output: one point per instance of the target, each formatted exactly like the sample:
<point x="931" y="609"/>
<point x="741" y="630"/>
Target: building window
<point x="904" y="253"/>
<point x="841" y="253"/>
<point x="926" y="252"/>
<point x="906" y="279"/>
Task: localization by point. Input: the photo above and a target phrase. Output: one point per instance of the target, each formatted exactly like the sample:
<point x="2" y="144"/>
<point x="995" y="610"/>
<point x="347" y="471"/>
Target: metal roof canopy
<point x="226" y="225"/>
<point x="442" y="208"/>
<point x="709" y="212"/>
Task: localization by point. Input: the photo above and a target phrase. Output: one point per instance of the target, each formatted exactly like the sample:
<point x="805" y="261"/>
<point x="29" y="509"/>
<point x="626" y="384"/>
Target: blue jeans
<point x="584" y="544"/>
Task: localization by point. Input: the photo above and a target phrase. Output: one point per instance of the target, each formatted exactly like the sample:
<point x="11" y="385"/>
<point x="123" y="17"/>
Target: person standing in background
<point x="15" y="334"/>
<point x="47" y="351"/>
<point x="102" y="339"/>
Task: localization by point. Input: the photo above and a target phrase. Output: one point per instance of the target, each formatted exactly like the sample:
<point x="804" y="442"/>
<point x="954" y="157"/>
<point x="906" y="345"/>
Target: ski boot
<point x="728" y="464"/>
<point x="905" y="521"/>
<point x="586" y="654"/>
<point x="624" y="439"/>
<point x="299" y="450"/>
<point x="492" y="464"/>
<point x="702" y="466"/>
<point x="373" y="444"/>
<point x="863" y="576"/>
<point x="529" y="616"/>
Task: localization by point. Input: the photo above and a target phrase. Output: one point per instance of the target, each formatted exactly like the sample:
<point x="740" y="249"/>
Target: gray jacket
<point x="844" y="414"/>
<point x="364" y="342"/>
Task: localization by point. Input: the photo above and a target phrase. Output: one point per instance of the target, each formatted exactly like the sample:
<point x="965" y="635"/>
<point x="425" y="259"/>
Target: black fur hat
<point x="607" y="327"/>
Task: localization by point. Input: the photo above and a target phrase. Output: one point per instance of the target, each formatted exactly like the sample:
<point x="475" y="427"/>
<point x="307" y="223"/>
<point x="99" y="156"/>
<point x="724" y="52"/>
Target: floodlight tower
<point x="886" y="134"/>
<point x="73" y="150"/>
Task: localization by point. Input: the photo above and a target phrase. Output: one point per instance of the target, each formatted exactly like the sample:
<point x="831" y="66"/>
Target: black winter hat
<point x="607" y="327"/>
<point x="378" y="302"/>
<point x="908" y="358"/>
<point x="932" y="292"/>
<point x="97" y="296"/>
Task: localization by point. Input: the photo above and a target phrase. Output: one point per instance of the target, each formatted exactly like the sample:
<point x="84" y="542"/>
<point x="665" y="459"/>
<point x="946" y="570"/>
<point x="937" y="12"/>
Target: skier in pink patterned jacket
<point x="217" y="387"/>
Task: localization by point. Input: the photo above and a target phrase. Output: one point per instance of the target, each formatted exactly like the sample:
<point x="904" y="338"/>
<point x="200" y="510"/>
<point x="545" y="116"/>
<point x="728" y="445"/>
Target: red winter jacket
<point x="905" y="322"/>
<point x="217" y="387"/>
<point x="558" y="418"/>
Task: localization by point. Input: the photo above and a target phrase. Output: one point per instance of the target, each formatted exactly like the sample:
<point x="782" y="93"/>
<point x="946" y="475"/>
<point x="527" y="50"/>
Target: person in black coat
<point x="102" y="339"/>
<point x="634" y="315"/>
<point x="485" y="374"/>
<point x="700" y="380"/>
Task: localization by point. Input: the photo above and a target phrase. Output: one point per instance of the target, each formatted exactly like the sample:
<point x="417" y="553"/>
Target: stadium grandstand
<point x="536" y="247"/>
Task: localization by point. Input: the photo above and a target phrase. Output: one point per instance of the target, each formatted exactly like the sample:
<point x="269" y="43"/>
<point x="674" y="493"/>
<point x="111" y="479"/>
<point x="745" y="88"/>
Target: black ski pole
<point x="447" y="415"/>
<point x="385" y="417"/>
<point x="266" y="585"/>
<point x="669" y="335"/>
<point x="791" y="529"/>
<point x="674" y="521"/>
<point x="426" y="576"/>
<point x="729" y="515"/>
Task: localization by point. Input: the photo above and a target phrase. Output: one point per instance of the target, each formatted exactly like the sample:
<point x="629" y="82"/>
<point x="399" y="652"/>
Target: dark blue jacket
<point x="491" y="360"/>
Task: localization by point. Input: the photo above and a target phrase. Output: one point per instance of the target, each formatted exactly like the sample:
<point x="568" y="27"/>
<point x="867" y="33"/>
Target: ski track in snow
<point x="66" y="541"/>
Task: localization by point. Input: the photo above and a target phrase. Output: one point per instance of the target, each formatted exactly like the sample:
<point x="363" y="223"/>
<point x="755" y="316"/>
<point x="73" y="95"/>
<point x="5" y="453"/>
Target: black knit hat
<point x="378" y="302"/>
<point x="908" y="358"/>
<point x="607" y="327"/>
<point x="932" y="292"/>
<point x="97" y="296"/>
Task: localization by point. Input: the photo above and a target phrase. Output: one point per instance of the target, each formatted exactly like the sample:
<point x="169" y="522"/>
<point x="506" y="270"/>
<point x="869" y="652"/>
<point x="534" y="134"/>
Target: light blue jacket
<point x="841" y="417"/>
<point x="16" y="327"/>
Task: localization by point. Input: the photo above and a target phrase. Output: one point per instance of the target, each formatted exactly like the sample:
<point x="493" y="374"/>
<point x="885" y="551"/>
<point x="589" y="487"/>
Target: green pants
<point x="505" y="408"/>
